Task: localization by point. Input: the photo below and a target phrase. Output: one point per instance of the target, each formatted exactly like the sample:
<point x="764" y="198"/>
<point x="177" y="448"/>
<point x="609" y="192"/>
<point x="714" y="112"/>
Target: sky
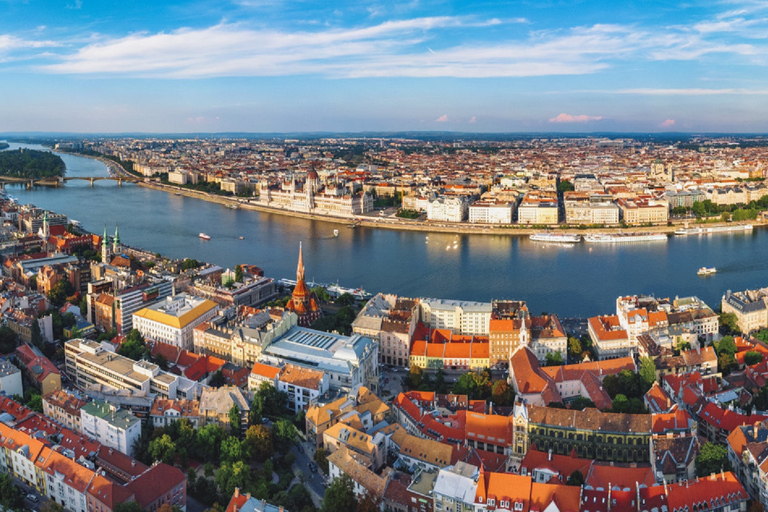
<point x="199" y="66"/>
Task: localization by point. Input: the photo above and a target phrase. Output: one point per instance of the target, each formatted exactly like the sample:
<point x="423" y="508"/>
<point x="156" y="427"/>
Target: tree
<point x="217" y="379"/>
<point x="239" y="273"/>
<point x="8" y="340"/>
<point x="712" y="458"/>
<point x="415" y="376"/>
<point x="726" y="362"/>
<point x="368" y="503"/>
<point x="283" y="435"/>
<point x="345" y="299"/>
<point x="60" y="291"/>
<point x="574" y="348"/>
<point x="340" y="496"/>
<point x="321" y="457"/>
<point x="501" y="392"/>
<point x="163" y="449"/>
<point x="466" y="385"/>
<point x="35" y="402"/>
<point x="576" y="479"/>
<point x="52" y="506"/>
<point x="10" y="496"/>
<point x="729" y="323"/>
<point x="231" y="475"/>
<point x="128" y="506"/>
<point x="259" y="441"/>
<point x="580" y="403"/>
<point x="440" y="386"/>
<point x="233" y="450"/>
<point x="209" y="441"/>
<point x="322" y="294"/>
<point x="753" y="357"/>
<point x="268" y="402"/>
<point x="133" y="346"/>
<point x="698" y="209"/>
<point x="234" y="419"/>
<point x="564" y="186"/>
<point x="726" y="346"/>
<point x="37" y="336"/>
<point x="553" y="359"/>
<point x="647" y="371"/>
<point x="189" y="264"/>
<point x="620" y="403"/>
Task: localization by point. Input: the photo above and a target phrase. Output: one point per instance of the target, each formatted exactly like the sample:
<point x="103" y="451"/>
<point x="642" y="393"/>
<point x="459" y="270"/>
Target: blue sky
<point x="486" y="66"/>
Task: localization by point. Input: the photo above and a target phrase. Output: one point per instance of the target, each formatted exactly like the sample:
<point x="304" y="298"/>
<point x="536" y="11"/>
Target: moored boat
<point x="204" y="236"/>
<point x="620" y="238"/>
<point x="559" y="238"/>
<point x="714" y="229"/>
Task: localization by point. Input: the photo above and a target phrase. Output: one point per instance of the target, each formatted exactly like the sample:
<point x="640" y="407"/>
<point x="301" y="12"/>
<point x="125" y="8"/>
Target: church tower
<point x="105" y="247"/>
<point x="116" y="241"/>
<point x="303" y="302"/>
<point x="46" y="229"/>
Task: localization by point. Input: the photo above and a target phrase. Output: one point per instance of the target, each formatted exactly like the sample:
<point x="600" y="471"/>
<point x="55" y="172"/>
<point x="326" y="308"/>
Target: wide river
<point x="581" y="280"/>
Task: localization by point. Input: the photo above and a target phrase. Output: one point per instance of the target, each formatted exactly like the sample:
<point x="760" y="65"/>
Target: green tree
<point x="726" y="346"/>
<point x="217" y="379"/>
<point x="259" y="441"/>
<point x="321" y="457"/>
<point x="698" y="209"/>
<point x="712" y="458"/>
<point x="415" y="376"/>
<point x="440" y="385"/>
<point x="35" y="402"/>
<point x="231" y="475"/>
<point x="189" y="264"/>
<point x="466" y="385"/>
<point x="133" y="346"/>
<point x="8" y="340"/>
<point x="233" y="450"/>
<point x="647" y="372"/>
<point x="564" y="186"/>
<point x="37" y="336"/>
<point x="128" y="506"/>
<point x="268" y="402"/>
<point x="580" y="403"/>
<point x="239" y="273"/>
<point x="574" y="348"/>
<point x="10" y="496"/>
<point x="234" y="419"/>
<point x="209" y="441"/>
<point x="340" y="496"/>
<point x="726" y="362"/>
<point x="60" y="291"/>
<point x="345" y="299"/>
<point x="283" y="435"/>
<point x="753" y="357"/>
<point x="553" y="359"/>
<point x="163" y="449"/>
<point x="620" y="403"/>
<point x="729" y="324"/>
<point x="576" y="479"/>
<point x="322" y="295"/>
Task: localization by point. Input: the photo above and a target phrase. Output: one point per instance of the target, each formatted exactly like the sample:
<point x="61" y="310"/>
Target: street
<point x="314" y="482"/>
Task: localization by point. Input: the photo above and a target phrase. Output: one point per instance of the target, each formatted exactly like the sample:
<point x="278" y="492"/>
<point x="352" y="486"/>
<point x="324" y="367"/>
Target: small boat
<point x="335" y="232"/>
<point x="204" y="236"/>
<point x="232" y="206"/>
<point x="707" y="271"/>
<point x="242" y="238"/>
<point x="177" y="194"/>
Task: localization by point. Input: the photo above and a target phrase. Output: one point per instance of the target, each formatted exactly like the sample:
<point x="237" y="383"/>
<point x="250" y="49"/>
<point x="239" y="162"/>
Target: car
<point x="313" y="467"/>
<point x="32" y="498"/>
<point x="301" y="450"/>
<point x="264" y="420"/>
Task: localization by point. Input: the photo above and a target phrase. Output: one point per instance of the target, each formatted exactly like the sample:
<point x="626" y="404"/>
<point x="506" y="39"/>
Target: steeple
<point x="105" y="246"/>
<point x="300" y="267"/>
<point x="116" y="241"/>
<point x="105" y="238"/>
<point x="46" y="228"/>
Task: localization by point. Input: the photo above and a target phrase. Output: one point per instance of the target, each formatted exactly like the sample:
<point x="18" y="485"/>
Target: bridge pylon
<point x="91" y="182"/>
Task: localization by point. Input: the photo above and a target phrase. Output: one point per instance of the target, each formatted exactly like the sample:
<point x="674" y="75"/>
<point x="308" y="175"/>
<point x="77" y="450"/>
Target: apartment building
<point x="750" y="308"/>
<point x="491" y="212"/>
<point x="109" y="425"/>
<point x="644" y="210"/>
<point x="461" y="317"/>
<point x="64" y="408"/>
<point x="538" y="208"/>
<point x="173" y="319"/>
<point x="447" y="209"/>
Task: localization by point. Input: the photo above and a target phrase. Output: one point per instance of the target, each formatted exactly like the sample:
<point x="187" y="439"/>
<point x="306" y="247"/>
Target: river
<point x="581" y="280"/>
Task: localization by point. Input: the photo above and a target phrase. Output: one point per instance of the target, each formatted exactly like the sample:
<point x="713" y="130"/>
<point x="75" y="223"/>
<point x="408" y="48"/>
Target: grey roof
<point x="325" y="351"/>
<point x="479" y="307"/>
<point x="222" y="399"/>
<point x="254" y="505"/>
<point x="6" y="368"/>
<point x="454" y="485"/>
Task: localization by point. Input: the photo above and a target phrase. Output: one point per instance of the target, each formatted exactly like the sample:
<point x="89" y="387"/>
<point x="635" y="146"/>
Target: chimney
<point x="549" y="457"/>
<point x="755" y="428"/>
<point x="237" y="492"/>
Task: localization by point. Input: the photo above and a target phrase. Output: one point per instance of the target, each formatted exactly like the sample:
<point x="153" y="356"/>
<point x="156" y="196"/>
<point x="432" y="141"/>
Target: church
<point x="303" y="301"/>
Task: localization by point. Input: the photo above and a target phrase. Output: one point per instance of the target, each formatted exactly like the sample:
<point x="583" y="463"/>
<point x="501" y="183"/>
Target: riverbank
<point x="418" y="226"/>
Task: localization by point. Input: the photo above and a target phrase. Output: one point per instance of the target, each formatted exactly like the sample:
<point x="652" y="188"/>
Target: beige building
<point x="215" y="405"/>
<point x="581" y="208"/>
<point x="644" y="210"/>
<point x="750" y="308"/>
<point x="64" y="408"/>
<point x="172" y="320"/>
<point x="491" y="212"/>
<point x="538" y="208"/>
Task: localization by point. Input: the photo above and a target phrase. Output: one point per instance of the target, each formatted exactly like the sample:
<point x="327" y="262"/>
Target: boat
<point x="622" y="238"/>
<point x="232" y="206"/>
<point x="242" y="238"/>
<point x="177" y="194"/>
<point x="335" y="232"/>
<point x="204" y="236"/>
<point x="714" y="229"/>
<point x="557" y="238"/>
<point x="707" y="271"/>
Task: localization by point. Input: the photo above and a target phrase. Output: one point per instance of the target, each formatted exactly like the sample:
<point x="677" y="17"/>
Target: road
<point x="314" y="482"/>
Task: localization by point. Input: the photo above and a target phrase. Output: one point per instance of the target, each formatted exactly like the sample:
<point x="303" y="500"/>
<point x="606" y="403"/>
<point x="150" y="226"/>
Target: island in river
<point x="30" y="163"/>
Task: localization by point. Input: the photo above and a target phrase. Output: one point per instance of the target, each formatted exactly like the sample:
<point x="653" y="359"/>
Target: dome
<point x="312" y="175"/>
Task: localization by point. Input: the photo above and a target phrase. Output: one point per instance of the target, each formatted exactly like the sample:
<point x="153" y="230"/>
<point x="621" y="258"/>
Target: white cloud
<point x="473" y="120"/>
<point x="569" y="118"/>
<point x="690" y="92"/>
<point x="667" y="123"/>
<point x="442" y="119"/>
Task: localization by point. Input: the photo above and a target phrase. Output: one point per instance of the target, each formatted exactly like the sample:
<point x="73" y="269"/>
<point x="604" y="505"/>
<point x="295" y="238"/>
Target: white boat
<point x="622" y="238"/>
<point x="707" y="271"/>
<point x="335" y="232"/>
<point x="558" y="238"/>
<point x="204" y="236"/>
<point x="714" y="229"/>
<point x="232" y="206"/>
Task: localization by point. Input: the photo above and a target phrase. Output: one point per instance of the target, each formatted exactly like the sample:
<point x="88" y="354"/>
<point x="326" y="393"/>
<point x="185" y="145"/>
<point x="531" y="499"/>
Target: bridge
<point x="55" y="182"/>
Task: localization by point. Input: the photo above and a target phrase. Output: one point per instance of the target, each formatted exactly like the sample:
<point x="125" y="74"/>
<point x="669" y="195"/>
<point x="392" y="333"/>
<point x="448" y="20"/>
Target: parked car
<point x="32" y="498"/>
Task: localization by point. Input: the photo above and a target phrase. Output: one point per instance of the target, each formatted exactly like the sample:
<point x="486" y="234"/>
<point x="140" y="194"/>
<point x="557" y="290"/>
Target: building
<point x="165" y="411"/>
<point x="301" y="385"/>
<point x="247" y="503"/>
<point x="40" y="371"/>
<point x="130" y="300"/>
<point x="673" y="457"/>
<point x="590" y="210"/>
<point x="491" y="212"/>
<point x="455" y="488"/>
<point x="609" y="338"/>
<point x="538" y="208"/>
<point x="461" y="317"/>
<point x="644" y="210"/>
<point x="64" y="408"/>
<point x="364" y="405"/>
<point x="216" y="404"/>
<point x="750" y="308"/>
<point x="346" y="462"/>
<point x="96" y="366"/>
<point x="261" y="373"/>
<point x="303" y="301"/>
<point x="349" y="361"/>
<point x="312" y="197"/>
<point x="370" y="448"/>
<point x="109" y="425"/>
<point x="173" y="319"/>
<point x="447" y="209"/>
<point x="10" y="379"/>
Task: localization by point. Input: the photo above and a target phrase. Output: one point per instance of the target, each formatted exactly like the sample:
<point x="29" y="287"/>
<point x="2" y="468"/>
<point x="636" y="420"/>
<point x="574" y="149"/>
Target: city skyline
<point x="301" y="66"/>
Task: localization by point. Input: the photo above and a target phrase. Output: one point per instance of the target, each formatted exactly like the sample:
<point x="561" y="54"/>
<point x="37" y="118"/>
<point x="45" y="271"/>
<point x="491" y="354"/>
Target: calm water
<point x="582" y="280"/>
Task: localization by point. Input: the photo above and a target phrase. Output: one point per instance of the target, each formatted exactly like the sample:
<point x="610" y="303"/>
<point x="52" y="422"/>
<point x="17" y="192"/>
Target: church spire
<point x="300" y="267"/>
<point x="116" y="240"/>
<point x="104" y="239"/>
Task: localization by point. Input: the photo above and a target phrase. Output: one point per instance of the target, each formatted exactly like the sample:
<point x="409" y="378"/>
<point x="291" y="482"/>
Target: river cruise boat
<point x="707" y="271"/>
<point x="555" y="238"/>
<point x="624" y="238"/>
<point x="204" y="236"/>
<point x="714" y="229"/>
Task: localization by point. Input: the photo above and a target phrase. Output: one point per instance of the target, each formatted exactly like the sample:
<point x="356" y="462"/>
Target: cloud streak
<point x="570" y="118"/>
